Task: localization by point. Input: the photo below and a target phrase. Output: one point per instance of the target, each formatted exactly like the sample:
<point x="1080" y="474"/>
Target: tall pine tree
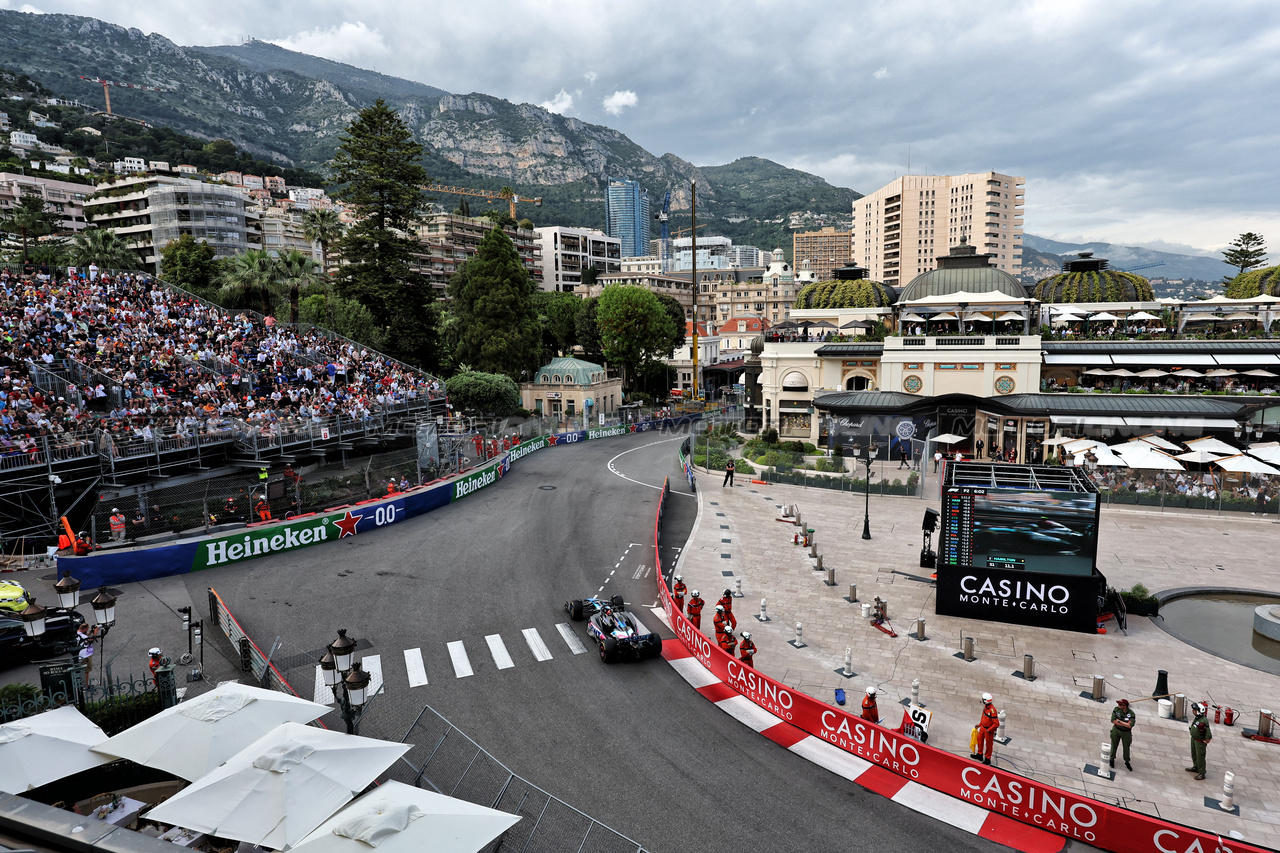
<point x="378" y="166"/>
<point x="496" y="323"/>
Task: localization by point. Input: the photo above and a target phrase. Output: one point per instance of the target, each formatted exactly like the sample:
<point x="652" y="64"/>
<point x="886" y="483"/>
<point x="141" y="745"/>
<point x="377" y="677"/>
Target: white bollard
<point x="1228" y="792"/>
<point x="915" y="691"/>
<point x="799" y="633"/>
<point x="764" y="610"/>
<point x="1106" y="761"/>
<point x="1004" y="732"/>
<point x="848" y="661"/>
<point x="738" y="585"/>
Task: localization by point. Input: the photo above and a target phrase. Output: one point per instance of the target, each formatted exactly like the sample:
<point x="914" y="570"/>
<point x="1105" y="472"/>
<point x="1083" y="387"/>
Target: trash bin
<point x="1166" y="709"/>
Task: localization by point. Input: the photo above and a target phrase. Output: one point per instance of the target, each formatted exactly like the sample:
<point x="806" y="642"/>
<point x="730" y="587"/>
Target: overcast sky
<point x="1133" y="122"/>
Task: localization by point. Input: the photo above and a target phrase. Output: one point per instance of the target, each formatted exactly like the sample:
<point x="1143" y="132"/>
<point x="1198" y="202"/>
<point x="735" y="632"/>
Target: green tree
<point x="30" y="218"/>
<point x="322" y="225"/>
<point x="1247" y="251"/>
<point x="188" y="264"/>
<point x="103" y="247"/>
<point x="558" y="317"/>
<point x="587" y="330"/>
<point x="492" y="393"/>
<point x="635" y="329"/>
<point x="249" y="275"/>
<point x="296" y="271"/>
<point x="589" y="276"/>
<point x="378" y="165"/>
<point x="344" y="316"/>
<point x="676" y="312"/>
<point x="499" y="218"/>
<point x="496" y="328"/>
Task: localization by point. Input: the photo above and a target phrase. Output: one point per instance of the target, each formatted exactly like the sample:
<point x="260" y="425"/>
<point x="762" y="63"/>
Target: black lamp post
<point x="866" y="453"/>
<point x="343" y="675"/>
<point x="34" y="617"/>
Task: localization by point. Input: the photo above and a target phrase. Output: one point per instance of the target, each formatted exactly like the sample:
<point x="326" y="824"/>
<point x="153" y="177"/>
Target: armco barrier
<point x="1062" y="812"/>
<point x="128" y="565"/>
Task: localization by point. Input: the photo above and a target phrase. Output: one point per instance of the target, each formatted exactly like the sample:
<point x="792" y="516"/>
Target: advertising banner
<point x="1064" y="602"/>
<point x="474" y="481"/>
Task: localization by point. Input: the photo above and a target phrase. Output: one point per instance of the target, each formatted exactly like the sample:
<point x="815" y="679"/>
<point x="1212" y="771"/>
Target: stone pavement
<point x="1053" y="731"/>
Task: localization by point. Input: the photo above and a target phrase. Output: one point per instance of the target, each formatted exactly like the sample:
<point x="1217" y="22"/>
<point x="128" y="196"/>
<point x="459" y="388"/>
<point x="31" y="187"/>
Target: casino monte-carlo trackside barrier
<point x="196" y="553"/>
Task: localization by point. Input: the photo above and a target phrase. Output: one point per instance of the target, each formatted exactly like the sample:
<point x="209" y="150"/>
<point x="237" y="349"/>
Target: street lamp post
<point x="34" y="617"/>
<point x="866" y="454"/>
<point x="344" y="676"/>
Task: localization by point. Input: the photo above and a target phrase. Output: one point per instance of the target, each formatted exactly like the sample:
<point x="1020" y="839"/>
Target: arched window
<point x="556" y="379"/>
<point x="545" y="378"/>
<point x="568" y="380"/>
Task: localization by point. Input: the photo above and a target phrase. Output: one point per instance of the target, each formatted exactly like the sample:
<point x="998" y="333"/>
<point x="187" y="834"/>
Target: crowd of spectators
<point x="1209" y="486"/>
<point x="144" y="363"/>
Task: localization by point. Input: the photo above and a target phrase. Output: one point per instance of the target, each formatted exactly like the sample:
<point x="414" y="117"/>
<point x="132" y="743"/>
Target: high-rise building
<point x="825" y="250"/>
<point x="568" y="252"/>
<point x="900" y="229"/>
<point x="627" y="216"/>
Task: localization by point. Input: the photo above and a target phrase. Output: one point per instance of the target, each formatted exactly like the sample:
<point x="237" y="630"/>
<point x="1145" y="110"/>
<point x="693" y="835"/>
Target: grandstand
<point x="125" y="383"/>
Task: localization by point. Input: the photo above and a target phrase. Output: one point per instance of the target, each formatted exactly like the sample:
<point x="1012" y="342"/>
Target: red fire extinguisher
<point x="1228" y="716"/>
<point x="1217" y="714"/>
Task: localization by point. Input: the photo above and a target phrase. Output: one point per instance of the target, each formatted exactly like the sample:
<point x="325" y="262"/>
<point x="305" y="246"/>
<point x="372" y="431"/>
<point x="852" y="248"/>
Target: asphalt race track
<point x="630" y="744"/>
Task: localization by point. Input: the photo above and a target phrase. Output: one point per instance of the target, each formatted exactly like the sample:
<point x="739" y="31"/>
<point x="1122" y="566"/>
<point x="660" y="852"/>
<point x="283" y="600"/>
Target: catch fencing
<point x="443" y="759"/>
<point x="252" y="658"/>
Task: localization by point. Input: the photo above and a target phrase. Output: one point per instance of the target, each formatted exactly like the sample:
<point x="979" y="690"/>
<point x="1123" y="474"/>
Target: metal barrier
<point x="113" y="704"/>
<point x="445" y="760"/>
<point x="252" y="658"/>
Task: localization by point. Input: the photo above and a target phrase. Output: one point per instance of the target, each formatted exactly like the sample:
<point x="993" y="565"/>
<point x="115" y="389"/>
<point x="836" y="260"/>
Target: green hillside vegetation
<point x="1255" y="283"/>
<point x="845" y="294"/>
<point x="1094" y="286"/>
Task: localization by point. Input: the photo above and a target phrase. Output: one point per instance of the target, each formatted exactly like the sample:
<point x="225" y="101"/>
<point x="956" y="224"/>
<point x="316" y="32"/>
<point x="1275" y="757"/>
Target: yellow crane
<point x="506" y="194"/>
<point x="106" y="92"/>
<point x="680" y="231"/>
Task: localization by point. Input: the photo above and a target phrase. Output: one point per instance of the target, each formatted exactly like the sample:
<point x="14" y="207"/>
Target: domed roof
<point x="1255" y="283"/>
<point x="962" y="269"/>
<point x="1086" y="279"/>
<point x="856" y="293"/>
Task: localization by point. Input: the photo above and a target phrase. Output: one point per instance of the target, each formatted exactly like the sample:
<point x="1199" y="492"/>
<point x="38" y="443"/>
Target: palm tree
<point x="103" y="247"/>
<point x="296" y="270"/>
<point x="28" y="218"/>
<point x="322" y="226"/>
<point x="251" y="273"/>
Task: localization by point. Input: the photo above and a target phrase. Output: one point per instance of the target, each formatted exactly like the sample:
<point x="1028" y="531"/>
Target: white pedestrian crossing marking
<point x="571" y="638"/>
<point x="322" y="694"/>
<point x="498" y="649"/>
<point x="534" y="640"/>
<point x="372" y="664"/>
<point x="461" y="663"/>
<point x="417" y="669"/>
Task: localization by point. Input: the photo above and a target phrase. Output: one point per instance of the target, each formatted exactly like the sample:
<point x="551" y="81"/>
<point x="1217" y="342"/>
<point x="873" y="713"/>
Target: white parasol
<point x="46" y="747"/>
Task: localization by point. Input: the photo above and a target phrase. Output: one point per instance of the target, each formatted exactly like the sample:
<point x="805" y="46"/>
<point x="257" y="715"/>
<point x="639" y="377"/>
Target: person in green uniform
<point x="1122" y="722"/>
<point x="1200" y="737"/>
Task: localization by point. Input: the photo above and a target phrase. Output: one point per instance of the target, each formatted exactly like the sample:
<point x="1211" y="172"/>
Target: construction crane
<point x="664" y="218"/>
<point x="685" y="230"/>
<point x="505" y="194"/>
<point x="106" y="91"/>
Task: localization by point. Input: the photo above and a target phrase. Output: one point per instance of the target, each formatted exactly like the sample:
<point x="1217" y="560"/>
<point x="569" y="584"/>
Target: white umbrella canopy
<point x="948" y="438"/>
<point x="1151" y="373"/>
<point x="280" y="787"/>
<point x="1202" y="317"/>
<point x="1213" y="445"/>
<point x="1266" y="454"/>
<point x="1123" y="372"/>
<point x="1097" y="371"/>
<point x="1202" y="457"/>
<point x="192" y="738"/>
<point x="1011" y="316"/>
<point x="398" y="818"/>
<point x="1266" y="374"/>
<point x="1158" y="442"/>
<point x="911" y="317"/>
<point x="1051" y="442"/>
<point x="46" y="747"/>
<point x="1143" y="315"/>
<point x="1188" y="373"/>
<point x="1103" y="315"/>
<point x="1067" y="318"/>
<point x="1218" y="372"/>
<point x="1245" y="465"/>
<point x="946" y="315"/>
<point x="1153" y="458"/>
<point x="1241" y="315"/>
<point x="1105" y="457"/>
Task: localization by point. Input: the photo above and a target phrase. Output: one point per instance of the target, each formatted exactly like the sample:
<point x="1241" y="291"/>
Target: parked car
<point x="60" y="637"/>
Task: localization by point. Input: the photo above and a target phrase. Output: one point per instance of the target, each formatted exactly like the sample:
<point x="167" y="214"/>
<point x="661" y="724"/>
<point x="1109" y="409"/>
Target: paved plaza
<point x="1053" y="732"/>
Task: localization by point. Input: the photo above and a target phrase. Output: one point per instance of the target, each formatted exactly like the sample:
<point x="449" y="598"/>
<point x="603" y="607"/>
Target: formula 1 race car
<point x="618" y="633"/>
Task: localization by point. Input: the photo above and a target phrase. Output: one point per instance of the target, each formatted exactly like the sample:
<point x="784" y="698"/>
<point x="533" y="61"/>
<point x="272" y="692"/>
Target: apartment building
<point x="283" y="229"/>
<point x="447" y="241"/>
<point x="671" y="284"/>
<point x="60" y="197"/>
<point x="150" y="211"/>
<point x="643" y="263"/>
<point x="713" y="253"/>
<point x="568" y="252"/>
<point x="825" y="250"/>
<point x="900" y="229"/>
<point x="767" y="292"/>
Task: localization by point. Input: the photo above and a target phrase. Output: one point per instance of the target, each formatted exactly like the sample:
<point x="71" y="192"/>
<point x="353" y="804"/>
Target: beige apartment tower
<point x="825" y="250"/>
<point x="900" y="228"/>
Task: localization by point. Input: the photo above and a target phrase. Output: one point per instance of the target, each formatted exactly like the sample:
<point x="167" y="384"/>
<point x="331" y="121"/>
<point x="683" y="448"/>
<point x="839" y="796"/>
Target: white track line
<point x="416" y="668"/>
<point x="571" y="638"/>
<point x="534" y="641"/>
<point x="498" y="649"/>
<point x="461" y="664"/>
<point x="372" y="664"/>
<point x="322" y="694"/>
<point x="637" y="482"/>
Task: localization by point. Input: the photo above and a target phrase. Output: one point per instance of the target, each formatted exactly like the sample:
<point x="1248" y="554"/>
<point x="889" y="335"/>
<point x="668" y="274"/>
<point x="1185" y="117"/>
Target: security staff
<point x="117" y="525"/>
<point x="678" y="592"/>
<point x="726" y="601"/>
<point x="987" y="725"/>
<point x="263" y="475"/>
<point x="83" y="544"/>
<point x="153" y="663"/>
<point x="1122" y="722"/>
<point x="1200" y="737"/>
<point x="695" y="609"/>
<point x="869" y="709"/>
<point x="720" y="621"/>
<point x="747" y="651"/>
<point x="263" y="509"/>
<point x="728" y="642"/>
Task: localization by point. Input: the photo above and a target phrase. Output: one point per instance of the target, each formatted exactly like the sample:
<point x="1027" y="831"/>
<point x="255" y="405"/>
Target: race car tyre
<point x="655" y="646"/>
<point x="575" y="609"/>
<point x="608" y="650"/>
<point x="618" y="602"/>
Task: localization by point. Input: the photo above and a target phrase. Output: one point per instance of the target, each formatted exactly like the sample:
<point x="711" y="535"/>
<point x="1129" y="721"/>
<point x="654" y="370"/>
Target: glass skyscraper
<point x="627" y="216"/>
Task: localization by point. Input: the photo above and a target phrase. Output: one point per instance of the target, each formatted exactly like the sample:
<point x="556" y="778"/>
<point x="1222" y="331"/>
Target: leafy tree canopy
<point x="587" y="328"/>
<point x="634" y="328"/>
<point x="344" y="316"/>
<point x="558" y="317"/>
<point x="189" y="264"/>
<point x="103" y="247"/>
<point x="1248" y="251"/>
<point x="496" y="328"/>
<point x="1255" y="283"/>
<point x="491" y="393"/>
<point x="676" y="312"/>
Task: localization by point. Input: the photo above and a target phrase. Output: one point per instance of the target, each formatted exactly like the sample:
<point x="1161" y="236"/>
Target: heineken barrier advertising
<point x="205" y="552"/>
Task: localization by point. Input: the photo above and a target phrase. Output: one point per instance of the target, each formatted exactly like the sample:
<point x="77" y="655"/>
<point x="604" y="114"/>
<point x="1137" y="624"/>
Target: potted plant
<point x="1139" y="601"/>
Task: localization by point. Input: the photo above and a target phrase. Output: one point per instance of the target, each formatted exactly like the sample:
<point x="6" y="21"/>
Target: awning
<point x="1180" y="423"/>
<point x="1087" y="420"/>
<point x="1264" y="359"/>
<point x="1174" y="359"/>
<point x="1089" y="358"/>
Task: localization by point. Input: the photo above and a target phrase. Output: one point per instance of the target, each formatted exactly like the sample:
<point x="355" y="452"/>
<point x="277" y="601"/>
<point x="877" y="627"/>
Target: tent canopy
<point x="46" y="747"/>
<point x="1244" y="464"/>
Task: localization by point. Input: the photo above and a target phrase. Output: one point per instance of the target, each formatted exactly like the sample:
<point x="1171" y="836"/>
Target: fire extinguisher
<point x="1217" y="714"/>
<point x="795" y="540"/>
<point x="1228" y="716"/>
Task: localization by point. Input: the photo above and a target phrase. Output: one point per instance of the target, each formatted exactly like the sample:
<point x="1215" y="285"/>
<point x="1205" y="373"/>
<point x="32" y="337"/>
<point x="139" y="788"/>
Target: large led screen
<point x="1034" y="531"/>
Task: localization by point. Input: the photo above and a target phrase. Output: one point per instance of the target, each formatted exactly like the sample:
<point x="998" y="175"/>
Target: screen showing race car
<point x="1034" y="531"/>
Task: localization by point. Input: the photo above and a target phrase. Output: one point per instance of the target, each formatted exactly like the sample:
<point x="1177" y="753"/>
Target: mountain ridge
<point x="1171" y="264"/>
